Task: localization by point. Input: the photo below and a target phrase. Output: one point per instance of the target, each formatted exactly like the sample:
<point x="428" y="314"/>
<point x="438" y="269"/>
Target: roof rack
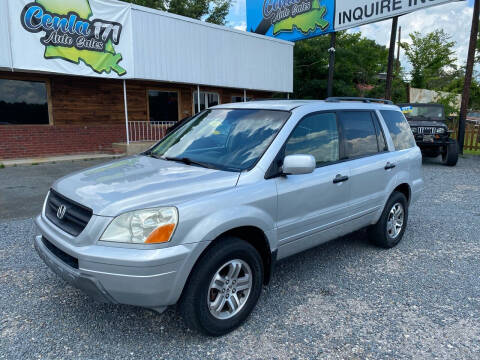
<point x="362" y="99"/>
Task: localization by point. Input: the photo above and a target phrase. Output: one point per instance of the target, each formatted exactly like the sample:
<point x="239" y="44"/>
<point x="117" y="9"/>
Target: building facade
<point x="84" y="75"/>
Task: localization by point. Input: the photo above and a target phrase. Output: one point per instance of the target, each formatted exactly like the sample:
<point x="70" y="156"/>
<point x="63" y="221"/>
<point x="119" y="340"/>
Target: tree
<point x="455" y="86"/>
<point x="358" y="63"/>
<point x="431" y="56"/>
<point x="212" y="11"/>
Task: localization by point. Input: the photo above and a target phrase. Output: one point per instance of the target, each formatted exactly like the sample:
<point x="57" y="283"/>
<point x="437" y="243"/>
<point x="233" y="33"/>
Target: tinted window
<point x="316" y="135"/>
<point x="230" y="140"/>
<point x="163" y="105"/>
<point x="359" y="133"/>
<point x="23" y="102"/>
<point x="399" y="129"/>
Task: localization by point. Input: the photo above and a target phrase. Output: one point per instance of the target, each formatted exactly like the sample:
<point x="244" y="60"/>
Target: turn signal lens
<point x="161" y="234"/>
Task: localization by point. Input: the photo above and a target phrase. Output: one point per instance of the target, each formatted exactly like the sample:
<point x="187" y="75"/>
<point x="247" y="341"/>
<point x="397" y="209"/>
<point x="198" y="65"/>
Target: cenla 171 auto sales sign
<point x="299" y="19"/>
<point x="84" y="37"/>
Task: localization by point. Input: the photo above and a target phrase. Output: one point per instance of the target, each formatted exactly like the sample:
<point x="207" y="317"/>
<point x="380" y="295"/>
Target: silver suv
<point x="200" y="219"/>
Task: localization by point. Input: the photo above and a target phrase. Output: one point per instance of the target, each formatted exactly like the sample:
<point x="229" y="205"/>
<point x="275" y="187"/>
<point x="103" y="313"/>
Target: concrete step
<point x="132" y="148"/>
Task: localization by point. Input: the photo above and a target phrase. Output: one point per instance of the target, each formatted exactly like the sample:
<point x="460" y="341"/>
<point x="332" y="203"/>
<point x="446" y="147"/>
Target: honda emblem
<point x="62" y="209"/>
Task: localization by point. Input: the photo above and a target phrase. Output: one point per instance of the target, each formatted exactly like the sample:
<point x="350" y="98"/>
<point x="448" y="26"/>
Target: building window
<point x="162" y="105"/>
<point x="238" y="98"/>
<point x="23" y="102"/>
<point x="207" y="99"/>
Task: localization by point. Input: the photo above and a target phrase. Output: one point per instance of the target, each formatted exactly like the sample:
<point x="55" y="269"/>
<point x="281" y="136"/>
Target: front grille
<point x="426" y="130"/>
<point x="76" y="216"/>
<point x="67" y="259"/>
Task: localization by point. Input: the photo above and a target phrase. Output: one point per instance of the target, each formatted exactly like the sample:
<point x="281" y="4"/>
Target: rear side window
<point x="316" y="135"/>
<point x="359" y="133"/>
<point x="399" y="129"/>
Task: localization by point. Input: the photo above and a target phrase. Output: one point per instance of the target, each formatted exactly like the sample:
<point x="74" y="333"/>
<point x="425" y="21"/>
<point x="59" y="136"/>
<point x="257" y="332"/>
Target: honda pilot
<point x="200" y="219"/>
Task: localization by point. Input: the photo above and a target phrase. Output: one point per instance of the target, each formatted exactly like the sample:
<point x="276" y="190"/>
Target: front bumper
<point x="441" y="141"/>
<point x="84" y="282"/>
<point x="152" y="278"/>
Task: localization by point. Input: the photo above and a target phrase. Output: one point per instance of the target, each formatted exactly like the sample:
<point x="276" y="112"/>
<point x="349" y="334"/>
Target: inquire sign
<point x="300" y="19"/>
<point x="83" y="37"/>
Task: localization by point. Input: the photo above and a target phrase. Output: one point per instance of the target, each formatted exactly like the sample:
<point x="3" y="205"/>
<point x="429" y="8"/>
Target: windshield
<point x="424" y="111"/>
<point x="226" y="139"/>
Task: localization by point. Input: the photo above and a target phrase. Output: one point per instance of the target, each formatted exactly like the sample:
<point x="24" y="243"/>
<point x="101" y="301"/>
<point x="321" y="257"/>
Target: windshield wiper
<point x="188" y="161"/>
<point x="151" y="154"/>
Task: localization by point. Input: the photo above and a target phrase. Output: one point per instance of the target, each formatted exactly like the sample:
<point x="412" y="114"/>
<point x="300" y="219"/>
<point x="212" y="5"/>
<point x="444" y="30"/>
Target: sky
<point x="454" y="18"/>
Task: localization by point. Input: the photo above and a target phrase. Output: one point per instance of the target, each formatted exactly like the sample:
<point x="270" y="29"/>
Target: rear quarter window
<point x="399" y="129"/>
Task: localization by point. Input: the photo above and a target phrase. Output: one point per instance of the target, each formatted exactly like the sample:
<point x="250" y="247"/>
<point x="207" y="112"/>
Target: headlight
<point x="414" y="130"/>
<point x="148" y="226"/>
<point x="440" y="130"/>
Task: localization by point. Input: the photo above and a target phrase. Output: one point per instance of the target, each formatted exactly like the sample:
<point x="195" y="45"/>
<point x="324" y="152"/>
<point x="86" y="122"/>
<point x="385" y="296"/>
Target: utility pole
<point x="468" y="76"/>
<point x="391" y="58"/>
<point x="398" y="48"/>
<point x="331" y="63"/>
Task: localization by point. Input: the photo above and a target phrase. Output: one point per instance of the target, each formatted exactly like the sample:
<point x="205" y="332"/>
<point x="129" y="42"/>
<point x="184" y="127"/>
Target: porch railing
<point x="148" y="130"/>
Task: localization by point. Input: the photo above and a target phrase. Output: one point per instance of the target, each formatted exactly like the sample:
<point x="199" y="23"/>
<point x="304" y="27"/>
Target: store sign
<point x="300" y="19"/>
<point x="84" y="37"/>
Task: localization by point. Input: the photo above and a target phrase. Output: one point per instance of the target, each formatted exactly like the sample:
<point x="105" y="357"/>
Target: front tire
<point x="450" y="155"/>
<point x="223" y="288"/>
<point x="389" y="229"/>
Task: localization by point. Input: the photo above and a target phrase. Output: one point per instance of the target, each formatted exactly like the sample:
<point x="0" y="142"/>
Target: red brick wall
<point x="24" y="141"/>
<point x="88" y="115"/>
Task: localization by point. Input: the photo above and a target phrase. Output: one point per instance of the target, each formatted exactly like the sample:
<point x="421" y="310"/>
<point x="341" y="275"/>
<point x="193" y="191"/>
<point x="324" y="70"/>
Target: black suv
<point x="429" y="127"/>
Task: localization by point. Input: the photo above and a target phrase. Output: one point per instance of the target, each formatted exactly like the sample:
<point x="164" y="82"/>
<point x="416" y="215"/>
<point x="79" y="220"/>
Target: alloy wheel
<point x="229" y="289"/>
<point x="395" y="220"/>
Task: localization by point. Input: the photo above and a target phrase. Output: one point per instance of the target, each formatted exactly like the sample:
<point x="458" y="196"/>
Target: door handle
<point x="339" y="178"/>
<point x="389" y="166"/>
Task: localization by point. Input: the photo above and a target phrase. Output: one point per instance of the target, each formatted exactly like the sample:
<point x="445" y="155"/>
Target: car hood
<point x="140" y="182"/>
<point x="427" y="123"/>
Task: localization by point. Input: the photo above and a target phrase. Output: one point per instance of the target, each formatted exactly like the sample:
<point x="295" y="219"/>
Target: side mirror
<point x="298" y="164"/>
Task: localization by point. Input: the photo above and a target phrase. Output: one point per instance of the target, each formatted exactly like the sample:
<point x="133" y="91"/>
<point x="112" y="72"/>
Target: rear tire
<point x="389" y="229"/>
<point x="450" y="156"/>
<point x="197" y="304"/>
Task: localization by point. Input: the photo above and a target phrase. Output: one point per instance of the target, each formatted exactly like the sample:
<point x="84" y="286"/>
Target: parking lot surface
<point x="344" y="299"/>
<point x="23" y="188"/>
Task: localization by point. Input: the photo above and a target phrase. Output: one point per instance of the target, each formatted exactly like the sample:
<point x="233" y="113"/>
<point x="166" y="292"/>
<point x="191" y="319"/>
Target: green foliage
<point x="454" y="84"/>
<point x="358" y="61"/>
<point x="431" y="56"/>
<point x="449" y="103"/>
<point x="212" y="11"/>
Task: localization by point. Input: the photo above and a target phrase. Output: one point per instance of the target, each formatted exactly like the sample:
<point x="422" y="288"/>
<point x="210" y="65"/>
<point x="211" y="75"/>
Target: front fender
<point x="212" y="226"/>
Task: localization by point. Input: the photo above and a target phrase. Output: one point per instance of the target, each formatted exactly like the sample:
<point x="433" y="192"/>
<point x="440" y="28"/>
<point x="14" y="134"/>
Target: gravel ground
<point x="344" y="299"/>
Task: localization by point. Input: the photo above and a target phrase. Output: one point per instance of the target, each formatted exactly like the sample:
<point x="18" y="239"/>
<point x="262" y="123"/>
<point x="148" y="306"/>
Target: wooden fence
<point x="472" y="137"/>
